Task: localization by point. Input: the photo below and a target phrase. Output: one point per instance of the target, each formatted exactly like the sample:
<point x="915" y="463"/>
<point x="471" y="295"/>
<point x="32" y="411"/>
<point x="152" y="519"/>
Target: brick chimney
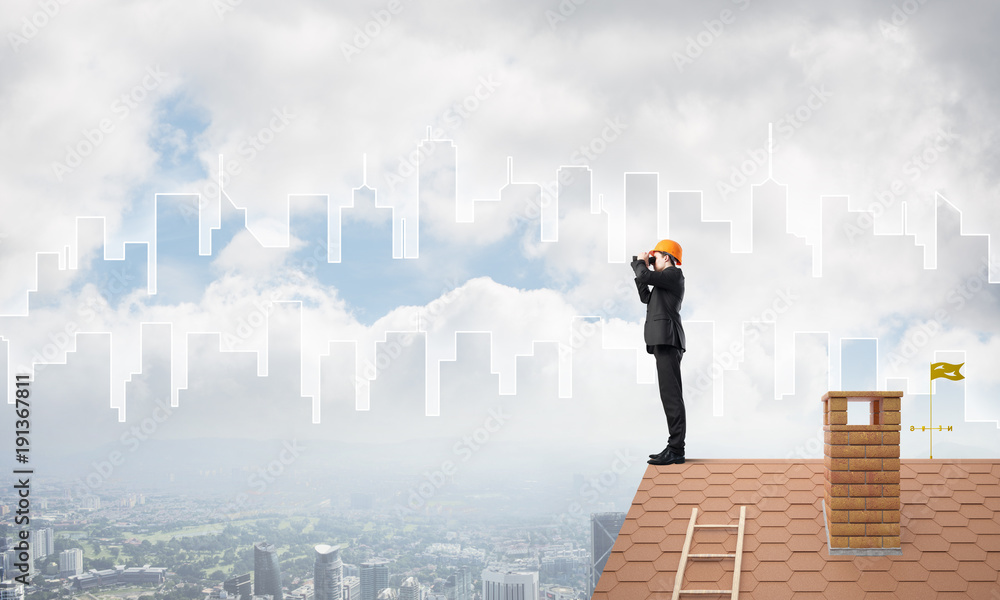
<point x="862" y="474"/>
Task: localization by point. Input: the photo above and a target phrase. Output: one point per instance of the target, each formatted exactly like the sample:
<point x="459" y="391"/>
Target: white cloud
<point x="556" y="89"/>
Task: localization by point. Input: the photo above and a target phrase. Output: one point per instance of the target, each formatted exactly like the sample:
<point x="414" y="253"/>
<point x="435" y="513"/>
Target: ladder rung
<point x="686" y="556"/>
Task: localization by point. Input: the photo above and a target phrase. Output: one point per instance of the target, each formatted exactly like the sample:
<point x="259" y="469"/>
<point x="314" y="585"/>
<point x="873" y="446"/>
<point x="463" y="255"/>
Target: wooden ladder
<point x="685" y="555"/>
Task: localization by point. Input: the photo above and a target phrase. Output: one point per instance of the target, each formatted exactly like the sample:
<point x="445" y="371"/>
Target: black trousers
<point x="668" y="375"/>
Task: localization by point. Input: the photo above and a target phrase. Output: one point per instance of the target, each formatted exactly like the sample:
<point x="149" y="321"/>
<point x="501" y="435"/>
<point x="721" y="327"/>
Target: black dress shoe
<point x="667" y="459"/>
<point x="660" y="453"/>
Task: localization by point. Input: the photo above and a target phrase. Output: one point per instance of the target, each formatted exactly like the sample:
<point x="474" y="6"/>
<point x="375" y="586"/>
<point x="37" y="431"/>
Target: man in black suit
<point x="664" y="337"/>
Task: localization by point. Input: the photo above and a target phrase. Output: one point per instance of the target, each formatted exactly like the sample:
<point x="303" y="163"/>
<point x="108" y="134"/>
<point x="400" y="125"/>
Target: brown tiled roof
<point x="949" y="518"/>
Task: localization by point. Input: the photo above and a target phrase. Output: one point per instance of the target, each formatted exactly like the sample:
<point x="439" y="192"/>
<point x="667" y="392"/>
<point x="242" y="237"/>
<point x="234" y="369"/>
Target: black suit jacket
<point x="663" y="304"/>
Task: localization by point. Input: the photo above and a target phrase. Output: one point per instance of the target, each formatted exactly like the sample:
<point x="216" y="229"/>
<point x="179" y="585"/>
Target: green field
<point x="182" y="532"/>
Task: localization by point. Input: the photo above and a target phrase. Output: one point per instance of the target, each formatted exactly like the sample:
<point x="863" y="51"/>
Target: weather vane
<point x="948" y="371"/>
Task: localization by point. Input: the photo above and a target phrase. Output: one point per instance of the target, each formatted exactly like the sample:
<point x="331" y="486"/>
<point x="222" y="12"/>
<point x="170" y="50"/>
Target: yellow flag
<point x="946" y="370"/>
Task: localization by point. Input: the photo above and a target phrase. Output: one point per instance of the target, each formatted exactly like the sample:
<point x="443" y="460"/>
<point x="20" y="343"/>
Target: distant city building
<point x="388" y="594"/>
<point x="327" y="573"/>
<point x="43" y="542"/>
<point x="410" y="589"/>
<point x="564" y="561"/>
<point x="239" y="586"/>
<point x="458" y="585"/>
<point x="557" y="592"/>
<point x="71" y="562"/>
<point x="128" y="501"/>
<point x="11" y="590"/>
<point x="9" y="558"/>
<point x="604" y="528"/>
<point x="351" y="587"/>
<point x="133" y="575"/>
<point x="304" y="592"/>
<point x="266" y="572"/>
<point x="144" y="574"/>
<point x="374" y="578"/>
<point x="509" y="585"/>
<point x="92" y="502"/>
<point x="454" y="554"/>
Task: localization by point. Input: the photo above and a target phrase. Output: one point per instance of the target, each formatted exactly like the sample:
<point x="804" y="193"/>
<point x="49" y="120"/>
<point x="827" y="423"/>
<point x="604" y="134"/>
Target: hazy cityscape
<point x="187" y="535"/>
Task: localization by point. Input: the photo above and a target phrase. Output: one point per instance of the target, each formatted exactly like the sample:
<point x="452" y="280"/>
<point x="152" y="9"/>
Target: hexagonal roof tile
<point x="807" y="581"/>
<point x="695" y="484"/>
<point x="967" y="552"/>
<point x="806" y="543"/>
<point x="922" y="526"/>
<point x="952" y="519"/>
<point x="958" y="534"/>
<point x="807" y="561"/>
<point x="976" y="571"/>
<point x="804" y="526"/>
<point x="776" y="590"/>
<point x="772" y="571"/>
<point x="949" y="519"/>
<point x="706" y="572"/>
<point x="877" y="581"/>
<point x="721" y="478"/>
<point x="910" y="571"/>
<point x="947" y="581"/>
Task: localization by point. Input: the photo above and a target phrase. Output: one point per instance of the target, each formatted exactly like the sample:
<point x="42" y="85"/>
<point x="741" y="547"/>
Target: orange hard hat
<point x="670" y="247"/>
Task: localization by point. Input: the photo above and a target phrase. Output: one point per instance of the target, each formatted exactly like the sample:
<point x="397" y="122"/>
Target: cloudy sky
<point x="393" y="234"/>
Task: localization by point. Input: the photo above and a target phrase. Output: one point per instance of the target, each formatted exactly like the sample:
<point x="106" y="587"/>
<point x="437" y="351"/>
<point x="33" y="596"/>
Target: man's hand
<point x="644" y="257"/>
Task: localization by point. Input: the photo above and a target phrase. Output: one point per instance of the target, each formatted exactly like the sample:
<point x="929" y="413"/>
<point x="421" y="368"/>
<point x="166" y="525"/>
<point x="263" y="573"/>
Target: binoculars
<point x="650" y="260"/>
